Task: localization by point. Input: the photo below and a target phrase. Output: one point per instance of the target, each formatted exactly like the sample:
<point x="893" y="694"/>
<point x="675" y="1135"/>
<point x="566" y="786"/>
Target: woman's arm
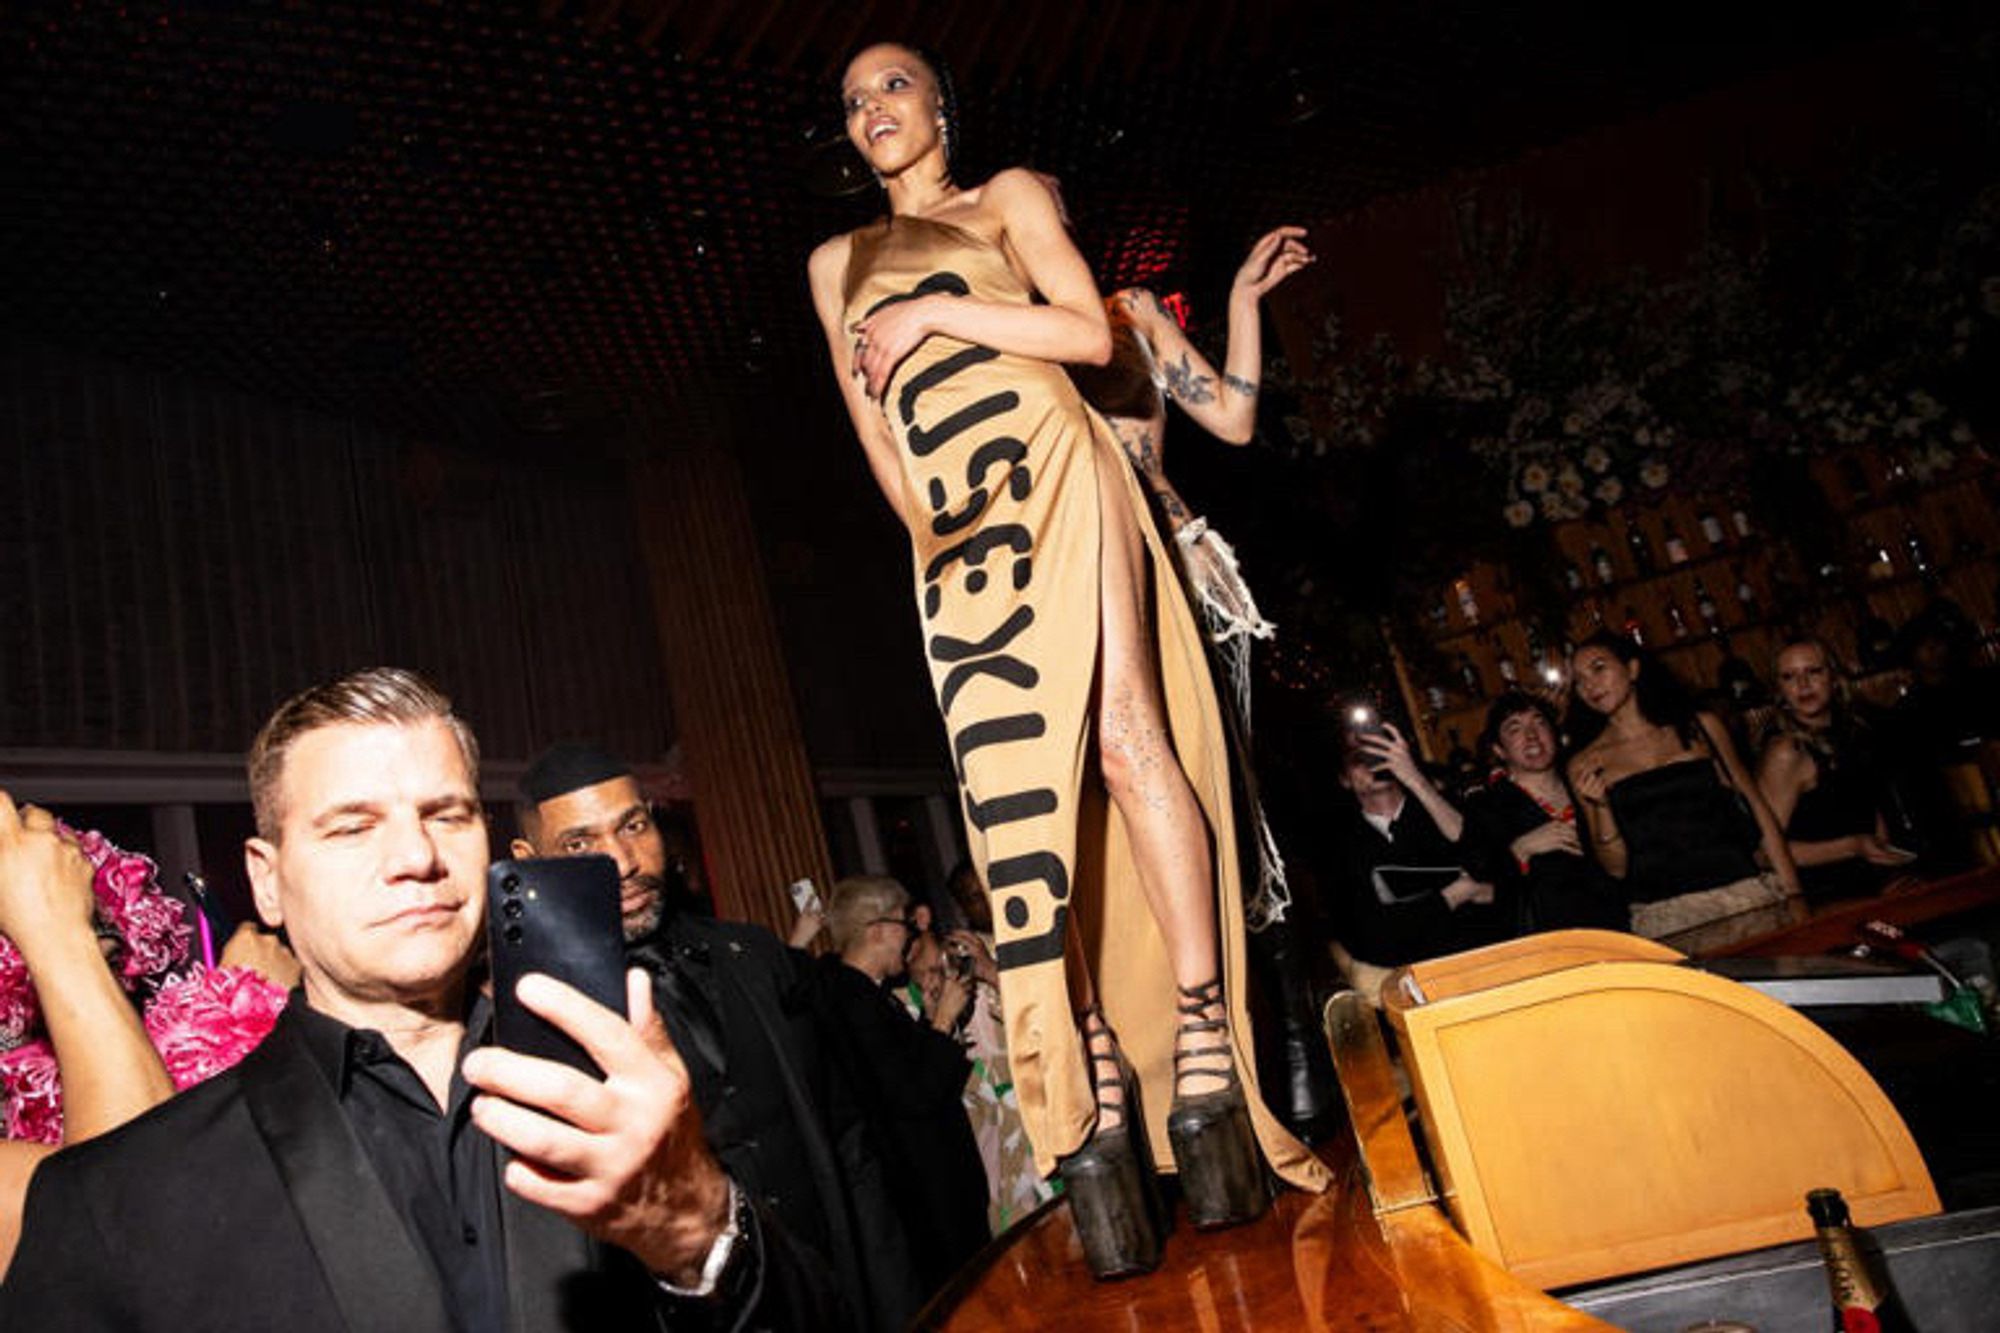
<point x="1226" y="410"/>
<point x="826" y="271"/>
<point x="1782" y="775"/>
<point x="1071" y="328"/>
<point x="1771" y="836"/>
<point x="110" y="1072"/>
<point x="1586" y="779"/>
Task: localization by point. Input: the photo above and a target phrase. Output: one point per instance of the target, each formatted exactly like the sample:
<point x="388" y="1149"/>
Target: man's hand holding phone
<point x="622" y="1157"/>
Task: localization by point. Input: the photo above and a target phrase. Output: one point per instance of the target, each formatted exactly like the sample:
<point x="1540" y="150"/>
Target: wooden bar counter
<point x="1325" y="1263"/>
<point x="1383" y="1259"/>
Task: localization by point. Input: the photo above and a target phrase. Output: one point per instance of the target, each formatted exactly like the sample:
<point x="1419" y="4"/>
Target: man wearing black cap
<point x="771" y="1107"/>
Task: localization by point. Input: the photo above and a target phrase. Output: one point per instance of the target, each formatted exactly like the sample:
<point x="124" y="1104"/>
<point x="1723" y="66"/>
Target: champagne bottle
<point x="1863" y="1301"/>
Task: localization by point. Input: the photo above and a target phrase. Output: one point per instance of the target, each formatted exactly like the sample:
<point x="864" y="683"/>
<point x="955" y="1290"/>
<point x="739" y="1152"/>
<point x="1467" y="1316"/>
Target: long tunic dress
<point x="1002" y="460"/>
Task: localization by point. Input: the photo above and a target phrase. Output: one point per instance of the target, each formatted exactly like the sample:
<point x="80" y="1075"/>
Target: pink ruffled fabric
<point x="203" y="1023"/>
<point x="201" y="1020"/>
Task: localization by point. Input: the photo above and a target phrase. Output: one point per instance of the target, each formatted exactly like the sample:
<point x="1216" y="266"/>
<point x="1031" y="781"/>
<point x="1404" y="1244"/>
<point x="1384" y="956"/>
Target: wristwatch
<point x="720" y="1251"/>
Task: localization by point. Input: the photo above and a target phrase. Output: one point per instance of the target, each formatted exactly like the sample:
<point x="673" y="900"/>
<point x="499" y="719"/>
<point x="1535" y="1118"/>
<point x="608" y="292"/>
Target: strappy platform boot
<point x="1114" y="1197"/>
<point x="1222" y="1176"/>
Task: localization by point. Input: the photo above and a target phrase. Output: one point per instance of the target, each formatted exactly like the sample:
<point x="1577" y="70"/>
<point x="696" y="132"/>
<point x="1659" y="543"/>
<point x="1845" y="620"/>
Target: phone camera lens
<point x="512" y="934"/>
<point x="510" y="884"/>
<point x="511" y="909"/>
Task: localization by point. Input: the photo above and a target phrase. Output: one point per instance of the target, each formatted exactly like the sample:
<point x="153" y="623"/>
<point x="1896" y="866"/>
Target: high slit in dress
<point x="1000" y="468"/>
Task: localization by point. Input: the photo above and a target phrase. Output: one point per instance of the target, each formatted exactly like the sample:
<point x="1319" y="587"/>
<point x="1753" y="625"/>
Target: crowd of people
<point x="1616" y="801"/>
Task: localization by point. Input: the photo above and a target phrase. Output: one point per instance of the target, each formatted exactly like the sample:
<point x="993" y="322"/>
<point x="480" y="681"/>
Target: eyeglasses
<point x="903" y="920"/>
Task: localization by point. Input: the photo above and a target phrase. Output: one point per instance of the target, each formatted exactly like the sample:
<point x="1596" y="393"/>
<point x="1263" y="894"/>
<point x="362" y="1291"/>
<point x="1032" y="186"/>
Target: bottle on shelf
<point x="1468" y="604"/>
<point x="1642" y="552"/>
<point x="1632" y="628"/>
<point x="1913" y="544"/>
<point x="1711" y="529"/>
<point x="1746" y="597"/>
<point x="1509" y="673"/>
<point x="1600" y="565"/>
<point x="1440" y="616"/>
<point x="1677" y="547"/>
<point x="1705" y="607"/>
<point x="1739" y="518"/>
<point x="1434" y="699"/>
<point x="1475" y="687"/>
<point x="1675" y="620"/>
<point x="1572" y="577"/>
<point x="1863" y="1300"/>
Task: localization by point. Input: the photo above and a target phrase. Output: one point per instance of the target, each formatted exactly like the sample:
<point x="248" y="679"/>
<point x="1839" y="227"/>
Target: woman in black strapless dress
<point x="1671" y="810"/>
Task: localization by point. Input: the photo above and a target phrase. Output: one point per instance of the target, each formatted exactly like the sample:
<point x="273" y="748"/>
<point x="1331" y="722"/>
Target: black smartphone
<point x="557" y="915"/>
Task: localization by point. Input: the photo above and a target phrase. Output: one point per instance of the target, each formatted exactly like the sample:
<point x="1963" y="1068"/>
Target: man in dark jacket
<point x="1391" y="868"/>
<point x="909" y="1073"/>
<point x="733" y="997"/>
<point x="345" y="1176"/>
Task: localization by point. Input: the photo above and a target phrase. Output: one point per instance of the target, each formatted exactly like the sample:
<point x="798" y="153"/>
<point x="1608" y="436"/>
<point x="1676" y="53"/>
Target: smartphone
<point x="805" y="897"/>
<point x="556" y="915"/>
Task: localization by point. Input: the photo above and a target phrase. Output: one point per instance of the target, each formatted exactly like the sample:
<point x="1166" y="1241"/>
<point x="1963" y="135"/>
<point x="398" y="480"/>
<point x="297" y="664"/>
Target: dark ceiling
<point x="506" y="223"/>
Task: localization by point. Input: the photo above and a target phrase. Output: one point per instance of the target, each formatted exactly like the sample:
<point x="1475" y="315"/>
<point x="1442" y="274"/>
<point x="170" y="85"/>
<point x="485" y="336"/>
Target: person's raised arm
<point x="1393" y="751"/>
<point x="1071" y="328"/>
<point x="1224" y="406"/>
<point x="826" y="270"/>
<point x="110" y="1072"/>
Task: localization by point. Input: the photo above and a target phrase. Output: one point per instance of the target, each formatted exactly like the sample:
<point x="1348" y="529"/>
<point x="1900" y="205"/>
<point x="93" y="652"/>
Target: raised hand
<point x="1277" y="255"/>
<point x="623" y="1158"/>
<point x="1391" y="751"/>
<point x="44" y="878"/>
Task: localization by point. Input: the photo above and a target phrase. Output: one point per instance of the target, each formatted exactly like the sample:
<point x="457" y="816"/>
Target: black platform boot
<point x="1222" y="1175"/>
<point x="1296" y="1071"/>
<point x="1114" y="1197"/>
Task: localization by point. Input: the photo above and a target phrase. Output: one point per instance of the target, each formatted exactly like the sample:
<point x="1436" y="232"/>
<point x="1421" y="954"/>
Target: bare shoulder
<point x="829" y="257"/>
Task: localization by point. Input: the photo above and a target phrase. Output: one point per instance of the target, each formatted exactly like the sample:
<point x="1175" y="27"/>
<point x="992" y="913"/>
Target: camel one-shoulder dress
<point x="1001" y="462"/>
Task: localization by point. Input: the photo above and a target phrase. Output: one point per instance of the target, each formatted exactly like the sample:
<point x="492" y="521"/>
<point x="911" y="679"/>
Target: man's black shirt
<point x="441" y="1173"/>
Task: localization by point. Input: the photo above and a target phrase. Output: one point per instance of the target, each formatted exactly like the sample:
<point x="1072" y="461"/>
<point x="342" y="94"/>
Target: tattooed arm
<point x="1226" y="405"/>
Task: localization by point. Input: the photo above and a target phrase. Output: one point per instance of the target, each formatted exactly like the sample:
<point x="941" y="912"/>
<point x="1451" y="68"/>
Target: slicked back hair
<point x="379" y="696"/>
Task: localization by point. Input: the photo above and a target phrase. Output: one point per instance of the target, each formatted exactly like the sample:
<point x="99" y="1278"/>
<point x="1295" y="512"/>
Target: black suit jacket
<point x="783" y="1121"/>
<point x="247" y="1203"/>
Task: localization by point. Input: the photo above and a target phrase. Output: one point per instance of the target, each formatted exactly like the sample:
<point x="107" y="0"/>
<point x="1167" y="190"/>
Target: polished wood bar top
<point x="1905" y="903"/>
<point x="1316" y="1263"/>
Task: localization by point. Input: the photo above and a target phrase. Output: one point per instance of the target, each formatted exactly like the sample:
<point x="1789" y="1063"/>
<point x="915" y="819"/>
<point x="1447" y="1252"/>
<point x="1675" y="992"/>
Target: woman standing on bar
<point x="1069" y="671"/>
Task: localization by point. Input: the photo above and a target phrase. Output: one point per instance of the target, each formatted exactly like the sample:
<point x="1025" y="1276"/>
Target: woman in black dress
<point x="1670" y="809"/>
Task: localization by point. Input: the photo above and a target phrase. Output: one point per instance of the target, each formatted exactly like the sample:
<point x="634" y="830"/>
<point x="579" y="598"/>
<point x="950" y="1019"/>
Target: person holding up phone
<point x="1391" y="871"/>
<point x="359" y="1148"/>
<point x="774" y="1109"/>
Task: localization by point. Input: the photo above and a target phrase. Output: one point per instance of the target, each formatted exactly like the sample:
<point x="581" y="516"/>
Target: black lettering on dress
<point x="1011" y="808"/>
<point x="944" y="648"/>
<point x="1005" y="449"/>
<point x="1002" y="666"/>
<point x="942" y="281"/>
<point x="995" y="731"/>
<point x="974" y="549"/>
<point x="924" y="442"/>
<point x="1010" y="872"/>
